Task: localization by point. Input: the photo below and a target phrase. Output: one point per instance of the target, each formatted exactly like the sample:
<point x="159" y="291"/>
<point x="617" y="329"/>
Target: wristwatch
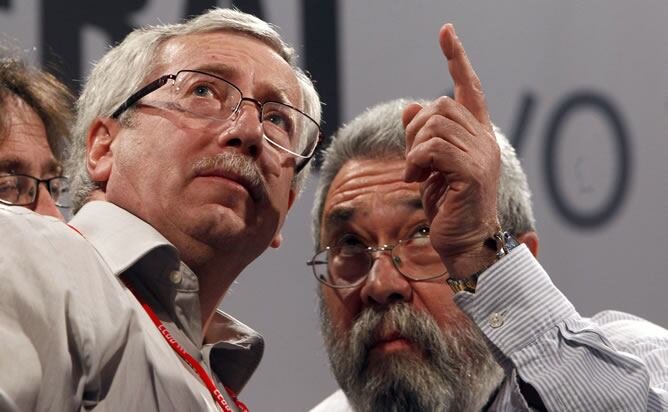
<point x="502" y="243"/>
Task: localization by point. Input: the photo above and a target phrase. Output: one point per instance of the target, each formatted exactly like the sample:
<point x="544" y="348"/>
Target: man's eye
<point x="276" y="119"/>
<point x="203" y="91"/>
<point x="350" y="240"/>
<point x="281" y="120"/>
<point x="6" y="187"/>
<point x="421" y="231"/>
<point x="350" y="245"/>
<point x="9" y="190"/>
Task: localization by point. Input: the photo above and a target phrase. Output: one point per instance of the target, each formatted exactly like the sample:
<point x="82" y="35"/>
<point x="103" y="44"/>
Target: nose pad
<point x="245" y="131"/>
<point x="384" y="283"/>
<point x="45" y="205"/>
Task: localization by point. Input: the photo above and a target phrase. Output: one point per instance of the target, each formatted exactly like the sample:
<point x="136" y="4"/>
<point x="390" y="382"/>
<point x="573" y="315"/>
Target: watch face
<point x="465" y="285"/>
<point x="511" y="242"/>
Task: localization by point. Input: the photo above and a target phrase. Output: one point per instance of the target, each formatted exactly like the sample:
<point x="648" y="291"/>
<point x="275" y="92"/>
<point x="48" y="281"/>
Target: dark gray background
<point x="592" y="77"/>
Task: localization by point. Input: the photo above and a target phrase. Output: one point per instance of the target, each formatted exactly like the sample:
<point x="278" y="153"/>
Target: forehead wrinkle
<point x="351" y="189"/>
<point x="354" y="208"/>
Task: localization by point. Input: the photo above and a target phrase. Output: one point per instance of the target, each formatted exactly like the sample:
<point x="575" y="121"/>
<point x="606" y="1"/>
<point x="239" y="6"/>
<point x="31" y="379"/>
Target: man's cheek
<point x="342" y="313"/>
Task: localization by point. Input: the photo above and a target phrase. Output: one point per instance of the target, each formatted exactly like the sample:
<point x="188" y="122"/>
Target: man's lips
<point x="390" y="342"/>
<point x="253" y="190"/>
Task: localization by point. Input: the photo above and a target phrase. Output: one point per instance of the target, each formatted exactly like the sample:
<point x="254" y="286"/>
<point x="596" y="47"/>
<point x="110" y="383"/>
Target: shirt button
<point x="495" y="320"/>
<point x="175" y="277"/>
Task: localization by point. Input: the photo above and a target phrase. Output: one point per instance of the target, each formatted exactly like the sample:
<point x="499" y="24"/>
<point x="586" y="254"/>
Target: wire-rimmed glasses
<point x="21" y="190"/>
<point x="347" y="264"/>
<point x="207" y="98"/>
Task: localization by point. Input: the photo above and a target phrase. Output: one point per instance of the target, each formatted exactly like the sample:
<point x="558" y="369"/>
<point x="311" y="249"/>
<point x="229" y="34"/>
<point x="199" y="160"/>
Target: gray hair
<point x="378" y="133"/>
<point x="123" y="70"/>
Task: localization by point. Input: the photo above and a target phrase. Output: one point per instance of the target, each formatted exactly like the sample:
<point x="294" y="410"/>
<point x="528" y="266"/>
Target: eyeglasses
<point x="347" y="264"/>
<point x="21" y="190"/>
<point x="207" y="98"/>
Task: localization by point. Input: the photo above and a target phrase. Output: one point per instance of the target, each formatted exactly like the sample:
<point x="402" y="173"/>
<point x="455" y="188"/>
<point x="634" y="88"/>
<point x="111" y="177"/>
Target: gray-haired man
<point x="427" y="305"/>
<point x="191" y="142"/>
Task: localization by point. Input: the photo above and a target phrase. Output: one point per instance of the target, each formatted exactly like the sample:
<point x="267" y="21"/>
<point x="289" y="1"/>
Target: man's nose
<point x="45" y="205"/>
<point x="245" y="132"/>
<point x="384" y="284"/>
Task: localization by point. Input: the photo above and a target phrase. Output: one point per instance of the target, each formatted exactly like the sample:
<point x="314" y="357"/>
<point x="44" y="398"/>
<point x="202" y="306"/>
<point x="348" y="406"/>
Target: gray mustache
<point x="398" y="317"/>
<point x="236" y="164"/>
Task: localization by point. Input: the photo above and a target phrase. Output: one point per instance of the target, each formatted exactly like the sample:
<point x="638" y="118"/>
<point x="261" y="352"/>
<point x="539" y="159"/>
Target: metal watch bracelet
<point x="504" y="242"/>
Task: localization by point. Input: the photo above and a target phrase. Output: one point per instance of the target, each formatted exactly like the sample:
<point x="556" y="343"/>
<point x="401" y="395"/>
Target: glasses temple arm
<point x="154" y="85"/>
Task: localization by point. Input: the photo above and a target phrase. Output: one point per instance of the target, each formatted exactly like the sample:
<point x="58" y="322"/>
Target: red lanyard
<point x="208" y="382"/>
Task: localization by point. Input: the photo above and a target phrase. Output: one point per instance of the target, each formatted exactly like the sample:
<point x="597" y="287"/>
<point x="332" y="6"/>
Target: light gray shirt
<point x="73" y="337"/>
<point x="610" y="362"/>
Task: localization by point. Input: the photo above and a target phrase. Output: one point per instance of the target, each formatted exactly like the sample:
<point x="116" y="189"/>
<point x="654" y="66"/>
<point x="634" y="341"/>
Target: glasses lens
<point x="289" y="129"/>
<point x="205" y="96"/>
<point x="417" y="259"/>
<point x="59" y="188"/>
<point x="17" y="190"/>
<point x="341" y="266"/>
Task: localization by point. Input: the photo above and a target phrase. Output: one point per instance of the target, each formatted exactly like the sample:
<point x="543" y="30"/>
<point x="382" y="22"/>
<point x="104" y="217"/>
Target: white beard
<point x="455" y="371"/>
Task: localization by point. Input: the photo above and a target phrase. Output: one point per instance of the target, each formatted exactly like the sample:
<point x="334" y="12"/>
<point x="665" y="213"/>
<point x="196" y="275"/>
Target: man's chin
<point x="217" y="225"/>
<point x="393" y="363"/>
<point x="399" y="380"/>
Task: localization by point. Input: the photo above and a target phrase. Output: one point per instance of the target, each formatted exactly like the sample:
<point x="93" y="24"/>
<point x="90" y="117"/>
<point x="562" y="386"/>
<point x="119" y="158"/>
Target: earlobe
<point x="531" y="240"/>
<point x="276" y="241"/>
<point x="99" y="156"/>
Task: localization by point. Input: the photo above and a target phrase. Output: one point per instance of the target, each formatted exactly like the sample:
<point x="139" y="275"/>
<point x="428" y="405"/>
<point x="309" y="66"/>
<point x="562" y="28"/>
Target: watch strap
<point x="503" y="243"/>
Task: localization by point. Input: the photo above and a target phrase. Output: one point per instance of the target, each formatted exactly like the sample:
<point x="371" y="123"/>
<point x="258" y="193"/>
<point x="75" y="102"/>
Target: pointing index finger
<point x="468" y="89"/>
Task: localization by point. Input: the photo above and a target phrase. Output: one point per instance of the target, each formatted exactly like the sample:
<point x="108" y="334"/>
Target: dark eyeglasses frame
<point x="47" y="182"/>
<point x="162" y="80"/>
<point x="369" y="250"/>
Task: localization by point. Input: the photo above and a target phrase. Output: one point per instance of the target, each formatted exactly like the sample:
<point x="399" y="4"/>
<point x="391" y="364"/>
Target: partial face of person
<point x="394" y="343"/>
<point x="24" y="149"/>
<point x="212" y="189"/>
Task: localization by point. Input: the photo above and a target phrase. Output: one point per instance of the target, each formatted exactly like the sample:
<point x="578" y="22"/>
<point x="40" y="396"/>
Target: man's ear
<point x="99" y="156"/>
<point x="278" y="238"/>
<point x="531" y="240"/>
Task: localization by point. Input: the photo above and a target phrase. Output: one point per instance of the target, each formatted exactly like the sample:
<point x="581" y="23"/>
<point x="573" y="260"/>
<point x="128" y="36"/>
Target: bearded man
<point x="431" y="295"/>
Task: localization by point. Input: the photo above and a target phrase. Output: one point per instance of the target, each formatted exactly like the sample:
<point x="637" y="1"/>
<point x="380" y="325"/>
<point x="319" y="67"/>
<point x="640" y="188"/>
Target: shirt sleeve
<point x="39" y="338"/>
<point x="613" y="361"/>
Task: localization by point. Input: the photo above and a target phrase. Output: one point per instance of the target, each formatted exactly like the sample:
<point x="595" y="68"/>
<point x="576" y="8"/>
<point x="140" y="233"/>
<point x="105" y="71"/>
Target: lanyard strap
<point x="206" y="379"/>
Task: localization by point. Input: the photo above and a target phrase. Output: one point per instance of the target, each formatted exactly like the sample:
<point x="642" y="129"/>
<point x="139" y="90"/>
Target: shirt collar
<point x="232" y="349"/>
<point x="120" y="237"/>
